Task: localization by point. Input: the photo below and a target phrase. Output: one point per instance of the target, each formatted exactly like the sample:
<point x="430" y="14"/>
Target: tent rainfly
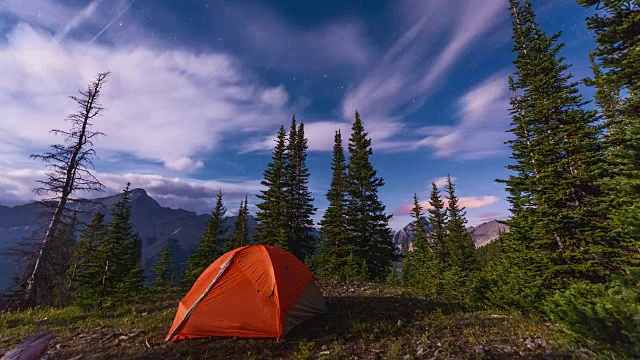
<point x="255" y="291"/>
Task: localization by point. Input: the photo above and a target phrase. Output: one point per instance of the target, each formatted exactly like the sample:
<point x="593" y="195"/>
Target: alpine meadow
<point x="446" y="179"/>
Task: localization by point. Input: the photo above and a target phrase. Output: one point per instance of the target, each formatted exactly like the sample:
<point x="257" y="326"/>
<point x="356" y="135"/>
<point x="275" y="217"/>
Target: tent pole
<point x="186" y="316"/>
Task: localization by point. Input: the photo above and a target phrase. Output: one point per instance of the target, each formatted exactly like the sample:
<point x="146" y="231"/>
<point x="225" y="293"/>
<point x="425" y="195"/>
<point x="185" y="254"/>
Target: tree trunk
<point x="30" y="296"/>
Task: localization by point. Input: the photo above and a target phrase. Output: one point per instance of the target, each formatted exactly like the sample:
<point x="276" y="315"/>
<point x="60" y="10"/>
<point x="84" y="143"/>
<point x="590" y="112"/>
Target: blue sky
<point x="198" y="90"/>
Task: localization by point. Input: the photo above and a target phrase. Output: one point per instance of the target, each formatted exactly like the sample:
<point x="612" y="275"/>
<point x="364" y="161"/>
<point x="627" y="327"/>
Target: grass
<point x="365" y="321"/>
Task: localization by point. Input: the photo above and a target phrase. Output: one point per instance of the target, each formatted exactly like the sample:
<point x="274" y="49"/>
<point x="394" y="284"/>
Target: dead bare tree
<point x="70" y="167"/>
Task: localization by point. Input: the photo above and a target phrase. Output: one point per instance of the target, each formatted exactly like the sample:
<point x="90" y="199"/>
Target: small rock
<point x="530" y="343"/>
<point x="508" y="349"/>
<point x="480" y="350"/>
<point x="123" y="337"/>
<point x="420" y="350"/>
<point x="496" y="316"/>
<point x="326" y="352"/>
<point x="399" y="323"/>
<point x="324" y="347"/>
<point x="406" y="357"/>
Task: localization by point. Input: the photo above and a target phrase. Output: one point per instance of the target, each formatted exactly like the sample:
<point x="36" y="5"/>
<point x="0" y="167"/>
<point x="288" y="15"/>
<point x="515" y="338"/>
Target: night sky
<point x="199" y="88"/>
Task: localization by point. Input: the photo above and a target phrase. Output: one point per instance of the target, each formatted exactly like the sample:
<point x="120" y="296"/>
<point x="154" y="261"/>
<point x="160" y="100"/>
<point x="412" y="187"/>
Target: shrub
<point x="605" y="317"/>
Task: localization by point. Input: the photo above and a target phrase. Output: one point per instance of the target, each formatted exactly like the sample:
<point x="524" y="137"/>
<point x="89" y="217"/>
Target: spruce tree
<point x="210" y="246"/>
<point x="61" y="250"/>
<point x="125" y="256"/>
<point x="300" y="209"/>
<point x="553" y="186"/>
<point x="370" y="235"/>
<point x="117" y="263"/>
<point x="271" y="216"/>
<point x="438" y="220"/>
<point x="422" y="264"/>
<point x="458" y="242"/>
<point x="616" y="64"/>
<point x="86" y="268"/>
<point x="163" y="269"/>
<point x="241" y="233"/>
<point x="334" y="249"/>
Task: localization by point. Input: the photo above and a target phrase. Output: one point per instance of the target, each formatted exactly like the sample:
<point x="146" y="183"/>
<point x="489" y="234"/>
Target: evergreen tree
<point x="553" y="189"/>
<point x="370" y="235"/>
<point x="459" y="243"/>
<point x="459" y="270"/>
<point x="56" y="266"/>
<point x="118" y="257"/>
<point x="163" y="269"/>
<point x="334" y="249"/>
<point x="300" y="209"/>
<point x="271" y="217"/>
<point x="241" y="233"/>
<point x="210" y="246"/>
<point x="86" y="268"/>
<point x="126" y="268"/>
<point x="423" y="270"/>
<point x="438" y="220"/>
<point x="617" y="33"/>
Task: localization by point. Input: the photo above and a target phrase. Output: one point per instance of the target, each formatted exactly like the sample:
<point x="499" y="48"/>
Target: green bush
<point x="605" y="317"/>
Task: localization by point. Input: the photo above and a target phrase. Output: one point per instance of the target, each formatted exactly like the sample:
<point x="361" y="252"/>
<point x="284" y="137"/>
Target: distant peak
<point x="139" y="192"/>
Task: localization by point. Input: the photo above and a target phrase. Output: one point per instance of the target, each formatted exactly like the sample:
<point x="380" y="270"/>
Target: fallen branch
<point x="31" y="349"/>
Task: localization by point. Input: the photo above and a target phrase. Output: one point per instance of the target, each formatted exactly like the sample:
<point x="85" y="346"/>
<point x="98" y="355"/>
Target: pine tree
<point x="370" y="235"/>
<point x="60" y="251"/>
<point x="553" y="189"/>
<point x="271" y="217"/>
<point x="241" y="233"/>
<point x="422" y="264"/>
<point x="163" y="269"/>
<point x="459" y="243"/>
<point x="86" y="268"/>
<point x="300" y="209"/>
<point x="210" y="246"/>
<point x="334" y="249"/>
<point x="118" y="257"/>
<point x="126" y="267"/>
<point x="616" y="27"/>
<point x="438" y="220"/>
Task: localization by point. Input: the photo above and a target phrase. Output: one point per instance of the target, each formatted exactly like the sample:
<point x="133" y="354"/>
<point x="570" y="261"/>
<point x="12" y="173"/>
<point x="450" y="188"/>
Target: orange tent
<point x="252" y="291"/>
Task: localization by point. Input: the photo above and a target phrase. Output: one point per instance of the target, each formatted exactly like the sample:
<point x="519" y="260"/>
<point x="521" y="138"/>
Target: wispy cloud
<point x="265" y="38"/>
<point x="163" y="105"/>
<point x="115" y="18"/>
<point x="481" y="130"/>
<point x="407" y="74"/>
<point x="442" y="181"/>
<point x="78" y="19"/>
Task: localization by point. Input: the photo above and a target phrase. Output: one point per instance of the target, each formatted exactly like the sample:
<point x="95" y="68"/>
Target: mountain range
<point x="156" y="225"/>
<point x="482" y="234"/>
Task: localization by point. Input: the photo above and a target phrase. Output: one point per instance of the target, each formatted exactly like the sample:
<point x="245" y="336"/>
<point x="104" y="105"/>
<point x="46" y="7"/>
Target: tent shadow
<point x="351" y="314"/>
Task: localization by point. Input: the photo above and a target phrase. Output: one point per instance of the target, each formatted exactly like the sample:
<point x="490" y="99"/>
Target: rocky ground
<point x="366" y="321"/>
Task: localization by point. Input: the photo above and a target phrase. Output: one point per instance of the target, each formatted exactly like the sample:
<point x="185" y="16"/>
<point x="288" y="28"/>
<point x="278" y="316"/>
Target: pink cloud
<point x="468" y="202"/>
<point x="490" y="214"/>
